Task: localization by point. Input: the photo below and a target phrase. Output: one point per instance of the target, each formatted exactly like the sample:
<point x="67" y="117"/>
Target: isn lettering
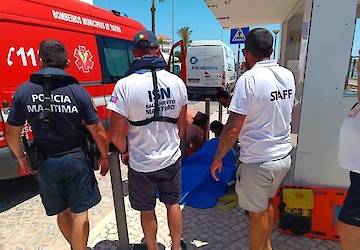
<point x="161" y="94"/>
<point x="278" y="94"/>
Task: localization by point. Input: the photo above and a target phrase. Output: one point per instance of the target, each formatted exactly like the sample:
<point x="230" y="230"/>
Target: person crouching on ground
<point x="223" y="98"/>
<point x="195" y="133"/>
<point x="216" y="127"/>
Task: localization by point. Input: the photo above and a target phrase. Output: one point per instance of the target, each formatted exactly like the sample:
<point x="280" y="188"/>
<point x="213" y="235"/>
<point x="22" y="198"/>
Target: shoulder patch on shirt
<point x="113" y="99"/>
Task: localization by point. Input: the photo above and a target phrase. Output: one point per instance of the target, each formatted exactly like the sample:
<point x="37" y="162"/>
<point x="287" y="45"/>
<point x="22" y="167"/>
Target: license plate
<point x="193" y="80"/>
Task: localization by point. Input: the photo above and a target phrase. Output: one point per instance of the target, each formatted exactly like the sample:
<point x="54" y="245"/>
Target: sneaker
<point x="183" y="244"/>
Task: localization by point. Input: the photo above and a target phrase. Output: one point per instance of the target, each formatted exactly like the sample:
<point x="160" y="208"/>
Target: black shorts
<point x="143" y="187"/>
<point x="350" y="212"/>
<point x="66" y="181"/>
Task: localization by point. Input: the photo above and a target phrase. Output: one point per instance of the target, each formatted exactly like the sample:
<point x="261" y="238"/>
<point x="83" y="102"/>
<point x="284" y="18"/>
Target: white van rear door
<point x="205" y="66"/>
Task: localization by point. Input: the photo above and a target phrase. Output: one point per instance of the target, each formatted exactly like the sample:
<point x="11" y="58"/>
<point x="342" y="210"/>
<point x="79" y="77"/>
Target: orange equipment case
<point x="327" y="205"/>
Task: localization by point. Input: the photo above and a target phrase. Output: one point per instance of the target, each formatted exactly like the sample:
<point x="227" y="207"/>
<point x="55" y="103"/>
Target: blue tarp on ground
<point x="199" y="189"/>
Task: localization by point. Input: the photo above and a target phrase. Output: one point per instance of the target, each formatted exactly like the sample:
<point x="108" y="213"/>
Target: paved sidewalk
<point x="24" y="225"/>
<point x="202" y="228"/>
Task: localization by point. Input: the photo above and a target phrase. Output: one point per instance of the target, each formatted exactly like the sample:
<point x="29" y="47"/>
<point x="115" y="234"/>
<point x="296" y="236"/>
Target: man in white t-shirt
<point x="348" y="224"/>
<point x="260" y="116"/>
<point x="148" y="119"/>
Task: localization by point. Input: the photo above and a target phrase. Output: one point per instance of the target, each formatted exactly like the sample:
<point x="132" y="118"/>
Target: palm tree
<point x="162" y="42"/>
<point x="153" y="10"/>
<point x="185" y="34"/>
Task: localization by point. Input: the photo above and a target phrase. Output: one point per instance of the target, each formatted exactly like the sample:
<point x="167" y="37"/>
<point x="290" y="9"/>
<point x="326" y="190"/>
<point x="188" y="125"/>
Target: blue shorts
<point x="143" y="187"/>
<point x="66" y="181"/>
<point x="350" y="212"/>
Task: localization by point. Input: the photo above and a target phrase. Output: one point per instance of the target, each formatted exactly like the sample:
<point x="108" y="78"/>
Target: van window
<point x="115" y="57"/>
<point x="115" y="62"/>
<point x="231" y="64"/>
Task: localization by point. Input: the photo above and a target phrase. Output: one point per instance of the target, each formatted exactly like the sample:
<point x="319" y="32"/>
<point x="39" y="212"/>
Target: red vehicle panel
<point x="99" y="45"/>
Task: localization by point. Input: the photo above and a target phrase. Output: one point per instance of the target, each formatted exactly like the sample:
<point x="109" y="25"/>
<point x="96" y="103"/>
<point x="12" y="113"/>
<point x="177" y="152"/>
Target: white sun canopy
<point x="243" y="13"/>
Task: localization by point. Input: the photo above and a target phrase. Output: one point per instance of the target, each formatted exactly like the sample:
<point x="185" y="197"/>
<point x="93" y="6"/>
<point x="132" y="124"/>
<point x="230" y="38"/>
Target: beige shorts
<point x="257" y="182"/>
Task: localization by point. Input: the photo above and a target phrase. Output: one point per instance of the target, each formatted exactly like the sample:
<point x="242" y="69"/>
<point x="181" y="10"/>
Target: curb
<point x="94" y="232"/>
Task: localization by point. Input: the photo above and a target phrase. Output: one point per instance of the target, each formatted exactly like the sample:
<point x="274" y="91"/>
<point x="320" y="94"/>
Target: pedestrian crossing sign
<point x="238" y="35"/>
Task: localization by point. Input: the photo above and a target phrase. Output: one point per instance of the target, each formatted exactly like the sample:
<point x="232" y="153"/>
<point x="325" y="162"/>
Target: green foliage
<point x="185" y="34"/>
<point x="162" y="41"/>
<point x="178" y="55"/>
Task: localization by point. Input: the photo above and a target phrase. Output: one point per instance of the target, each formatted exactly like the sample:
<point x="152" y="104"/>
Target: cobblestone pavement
<point x="27" y="227"/>
<point x="24" y="225"/>
<point x="203" y="229"/>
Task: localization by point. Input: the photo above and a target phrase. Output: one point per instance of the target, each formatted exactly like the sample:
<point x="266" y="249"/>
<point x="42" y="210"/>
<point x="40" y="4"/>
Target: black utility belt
<point x="154" y="119"/>
<point x="278" y="159"/>
<point x="61" y="149"/>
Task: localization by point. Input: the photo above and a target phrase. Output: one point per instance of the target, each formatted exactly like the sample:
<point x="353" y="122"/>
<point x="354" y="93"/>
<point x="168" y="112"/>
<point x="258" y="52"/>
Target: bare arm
<point x="229" y="134"/>
<point x="99" y="135"/>
<point x="228" y="137"/>
<point x="181" y="122"/>
<point x="118" y="131"/>
<point x="14" y="142"/>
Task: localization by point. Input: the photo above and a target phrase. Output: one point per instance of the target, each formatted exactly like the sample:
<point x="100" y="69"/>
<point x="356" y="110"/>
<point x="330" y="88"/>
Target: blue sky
<point x="192" y="13"/>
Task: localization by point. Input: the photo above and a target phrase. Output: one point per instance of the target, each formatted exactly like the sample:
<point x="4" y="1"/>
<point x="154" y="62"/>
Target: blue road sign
<point x="238" y="35"/>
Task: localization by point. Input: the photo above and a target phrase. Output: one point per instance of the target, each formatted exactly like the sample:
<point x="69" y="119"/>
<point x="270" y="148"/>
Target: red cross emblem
<point x="83" y="59"/>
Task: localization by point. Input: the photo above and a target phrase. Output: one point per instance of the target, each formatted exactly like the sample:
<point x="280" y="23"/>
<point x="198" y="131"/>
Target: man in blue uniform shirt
<point x="68" y="187"/>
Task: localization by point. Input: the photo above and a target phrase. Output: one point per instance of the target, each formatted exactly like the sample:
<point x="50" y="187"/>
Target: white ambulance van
<point x="210" y="67"/>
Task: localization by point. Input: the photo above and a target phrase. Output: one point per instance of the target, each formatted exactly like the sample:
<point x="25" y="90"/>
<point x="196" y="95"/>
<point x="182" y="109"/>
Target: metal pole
<point x="275" y="32"/>
<point x="172" y="22"/>
<point x="275" y="47"/>
<point x="220" y="113"/>
<point x="207" y="112"/>
<point x="118" y="194"/>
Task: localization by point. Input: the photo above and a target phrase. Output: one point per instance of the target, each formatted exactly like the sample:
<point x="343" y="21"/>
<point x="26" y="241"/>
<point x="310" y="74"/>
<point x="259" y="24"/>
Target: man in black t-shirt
<point x="68" y="187"/>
